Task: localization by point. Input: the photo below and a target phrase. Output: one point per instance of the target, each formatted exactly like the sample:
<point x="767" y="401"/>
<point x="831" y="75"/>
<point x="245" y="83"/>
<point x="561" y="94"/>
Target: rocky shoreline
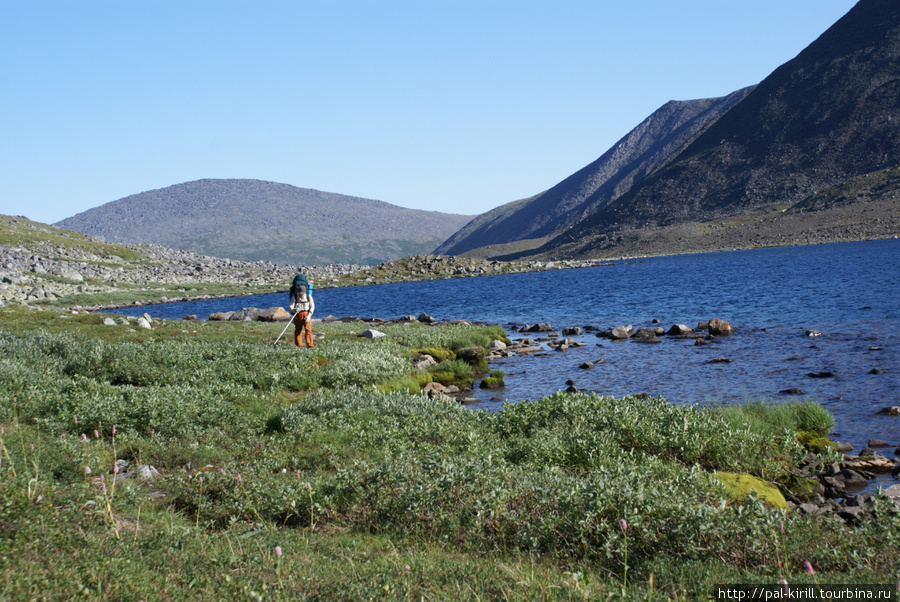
<point x="73" y="264"/>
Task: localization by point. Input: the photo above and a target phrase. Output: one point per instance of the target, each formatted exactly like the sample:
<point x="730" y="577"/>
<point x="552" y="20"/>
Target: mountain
<point x="811" y="154"/>
<point x="530" y="222"/>
<point x="255" y="220"/>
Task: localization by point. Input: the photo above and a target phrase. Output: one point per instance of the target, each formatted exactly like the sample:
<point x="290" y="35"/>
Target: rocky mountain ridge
<point x="535" y="220"/>
<point x="254" y="220"/>
<point x="822" y="126"/>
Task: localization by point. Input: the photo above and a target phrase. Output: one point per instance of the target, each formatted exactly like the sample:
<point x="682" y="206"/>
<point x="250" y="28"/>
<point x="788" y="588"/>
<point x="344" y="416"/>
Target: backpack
<point x="300" y="286"/>
<point x="300" y="289"/>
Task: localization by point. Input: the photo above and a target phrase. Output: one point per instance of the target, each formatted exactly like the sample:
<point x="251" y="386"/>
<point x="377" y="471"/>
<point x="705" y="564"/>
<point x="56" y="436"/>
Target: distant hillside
<point x="818" y="125"/>
<point x="533" y="221"/>
<point x="255" y="220"/>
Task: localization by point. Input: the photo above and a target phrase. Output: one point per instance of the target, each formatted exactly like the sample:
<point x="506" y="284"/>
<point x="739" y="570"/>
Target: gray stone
<point x="247" y="314"/>
<point x="620" y="332"/>
<point x="808" y="509"/>
<point x="893" y="492"/>
<point x="878" y="443"/>
<point x="143" y="323"/>
<point x="851" y="479"/>
<point x="719" y="327"/>
<point x="813" y="333"/>
<point x="679" y="329"/>
<point x="890" y="411"/>
<point x="572" y="331"/>
<point x="371" y="333"/>
<point x="425" y="363"/>
<point x="273" y="314"/>
<point x="109" y="322"/>
<point x="497" y="345"/>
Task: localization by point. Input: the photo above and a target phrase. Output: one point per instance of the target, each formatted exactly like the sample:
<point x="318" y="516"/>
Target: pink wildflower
<point x="84" y="437"/>
<point x="96" y="434"/>
<point x="278" y="551"/>
<point x="623" y="523"/>
<point x="240" y="480"/>
<point x="87" y="470"/>
<point x="809" y="567"/>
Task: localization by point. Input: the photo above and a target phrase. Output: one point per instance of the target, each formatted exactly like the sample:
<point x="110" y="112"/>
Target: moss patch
<point x="816" y="443"/>
<point x="739" y="487"/>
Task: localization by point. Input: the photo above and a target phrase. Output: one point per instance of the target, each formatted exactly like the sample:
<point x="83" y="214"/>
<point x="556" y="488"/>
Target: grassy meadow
<point x="281" y="473"/>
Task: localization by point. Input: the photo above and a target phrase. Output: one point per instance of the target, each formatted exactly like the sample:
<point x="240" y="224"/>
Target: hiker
<point x="303" y="306"/>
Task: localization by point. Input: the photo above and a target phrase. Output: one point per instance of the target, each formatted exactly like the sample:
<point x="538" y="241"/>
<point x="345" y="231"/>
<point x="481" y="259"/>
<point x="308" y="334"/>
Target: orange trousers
<point x="300" y="325"/>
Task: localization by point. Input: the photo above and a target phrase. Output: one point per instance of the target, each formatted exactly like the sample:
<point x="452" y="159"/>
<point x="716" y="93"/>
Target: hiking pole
<point x="291" y="321"/>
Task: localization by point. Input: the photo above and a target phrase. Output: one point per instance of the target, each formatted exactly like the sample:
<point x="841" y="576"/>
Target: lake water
<point x="848" y="291"/>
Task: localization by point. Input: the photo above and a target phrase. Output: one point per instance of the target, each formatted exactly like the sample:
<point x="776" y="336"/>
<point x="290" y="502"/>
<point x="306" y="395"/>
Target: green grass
<point x="22" y="232"/>
<point x="315" y="452"/>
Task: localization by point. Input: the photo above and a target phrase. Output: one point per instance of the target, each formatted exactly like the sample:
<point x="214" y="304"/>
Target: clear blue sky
<point x="446" y="105"/>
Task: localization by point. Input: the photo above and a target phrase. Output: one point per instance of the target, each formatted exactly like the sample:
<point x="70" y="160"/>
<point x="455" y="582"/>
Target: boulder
<point x="434" y="389"/>
<point x="220" y="316"/>
<point x="425" y="363"/>
<point x="371" y="333"/>
<point x="792" y="391"/>
<point x="646" y="338"/>
<point x="143" y="472"/>
<point x="813" y="333"/>
<point x="893" y="492"/>
<point x="425" y="318"/>
<point x="679" y="329"/>
<point x="890" y="411"/>
<point x="109" y="322"/>
<point x="497" y="345"/>
<point x="542" y="327"/>
<point x="720" y="360"/>
<point x="586" y="365"/>
<point x="843" y="447"/>
<point x="878" y="443"/>
<point x="273" y="314"/>
<point x="572" y="331"/>
<point x="143" y="323"/>
<point x="822" y="374"/>
<point x="620" y="333"/>
<point x="190" y="317"/>
<point x="851" y="479"/>
<point x="471" y="355"/>
<point x="248" y="314"/>
<point x="718" y="327"/>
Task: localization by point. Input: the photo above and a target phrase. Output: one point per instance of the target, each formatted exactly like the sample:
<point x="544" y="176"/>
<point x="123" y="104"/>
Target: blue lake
<point x="848" y="291"/>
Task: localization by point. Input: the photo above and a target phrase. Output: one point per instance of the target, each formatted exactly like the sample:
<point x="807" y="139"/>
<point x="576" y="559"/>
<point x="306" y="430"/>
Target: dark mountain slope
<point x="830" y="114"/>
<point x="256" y="220"/>
<point x="590" y="189"/>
